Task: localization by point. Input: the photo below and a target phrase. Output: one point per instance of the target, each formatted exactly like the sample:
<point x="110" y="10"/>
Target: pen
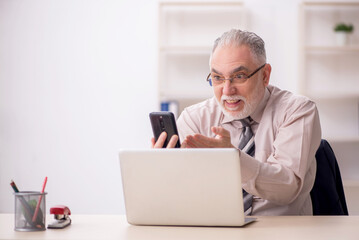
<point x="39" y="202"/>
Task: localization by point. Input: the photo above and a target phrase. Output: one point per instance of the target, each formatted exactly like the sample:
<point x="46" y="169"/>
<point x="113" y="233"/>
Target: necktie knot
<point x="246" y="122"/>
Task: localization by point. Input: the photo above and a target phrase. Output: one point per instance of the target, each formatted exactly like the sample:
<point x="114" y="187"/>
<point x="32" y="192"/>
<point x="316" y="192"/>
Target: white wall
<point x="276" y="21"/>
<point x="77" y="81"/>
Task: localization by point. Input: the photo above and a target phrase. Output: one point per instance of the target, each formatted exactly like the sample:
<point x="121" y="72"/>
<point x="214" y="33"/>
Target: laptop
<point x="183" y="187"/>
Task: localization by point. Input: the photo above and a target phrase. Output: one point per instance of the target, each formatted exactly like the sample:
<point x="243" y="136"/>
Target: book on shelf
<point x="170" y="106"/>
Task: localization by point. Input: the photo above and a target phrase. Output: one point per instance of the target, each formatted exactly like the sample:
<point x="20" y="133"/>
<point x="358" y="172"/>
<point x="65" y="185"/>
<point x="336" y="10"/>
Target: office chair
<point x="327" y="193"/>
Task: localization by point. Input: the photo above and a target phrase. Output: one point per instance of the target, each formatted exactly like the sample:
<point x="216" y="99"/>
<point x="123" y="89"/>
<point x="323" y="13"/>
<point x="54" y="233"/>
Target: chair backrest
<point x="328" y="193"/>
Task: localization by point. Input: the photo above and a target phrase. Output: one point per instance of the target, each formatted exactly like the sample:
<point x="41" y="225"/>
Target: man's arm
<point x="279" y="177"/>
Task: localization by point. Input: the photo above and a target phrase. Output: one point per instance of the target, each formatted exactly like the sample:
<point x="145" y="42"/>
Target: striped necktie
<point x="246" y="144"/>
<point x="246" y="140"/>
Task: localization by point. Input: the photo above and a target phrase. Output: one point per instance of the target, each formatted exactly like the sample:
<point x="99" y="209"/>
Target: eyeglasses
<point x="239" y="78"/>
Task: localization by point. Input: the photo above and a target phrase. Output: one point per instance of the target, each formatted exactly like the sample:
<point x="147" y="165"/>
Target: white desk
<point x="116" y="227"/>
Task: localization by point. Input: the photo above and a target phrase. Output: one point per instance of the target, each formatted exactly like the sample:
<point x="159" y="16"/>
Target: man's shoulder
<point x="284" y="104"/>
<point x="208" y="110"/>
<point x="287" y="98"/>
<point x="199" y="118"/>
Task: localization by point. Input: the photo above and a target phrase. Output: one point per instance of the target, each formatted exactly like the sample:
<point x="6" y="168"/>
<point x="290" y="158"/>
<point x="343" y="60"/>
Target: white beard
<point x="249" y="105"/>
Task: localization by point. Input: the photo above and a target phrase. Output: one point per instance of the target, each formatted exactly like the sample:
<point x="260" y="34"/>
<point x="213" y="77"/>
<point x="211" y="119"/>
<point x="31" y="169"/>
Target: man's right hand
<point x="161" y="140"/>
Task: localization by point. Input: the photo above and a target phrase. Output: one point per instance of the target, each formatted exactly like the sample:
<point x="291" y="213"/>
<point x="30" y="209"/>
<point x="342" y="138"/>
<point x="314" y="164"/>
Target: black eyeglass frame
<point x="209" y="80"/>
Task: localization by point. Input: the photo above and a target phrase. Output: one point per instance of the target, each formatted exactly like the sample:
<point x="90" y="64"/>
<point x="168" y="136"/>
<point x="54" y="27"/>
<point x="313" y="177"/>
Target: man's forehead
<point x="232" y="55"/>
<point x="232" y="70"/>
<point x="232" y="48"/>
<point x="231" y="59"/>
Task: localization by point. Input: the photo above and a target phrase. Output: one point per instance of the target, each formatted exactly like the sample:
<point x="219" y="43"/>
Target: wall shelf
<point x="334" y="95"/>
<point x="329" y="75"/>
<point x="330" y="4"/>
<point x="332" y="49"/>
<point x="187" y="31"/>
<point x="344" y="139"/>
<point x="179" y="95"/>
<point x="205" y="50"/>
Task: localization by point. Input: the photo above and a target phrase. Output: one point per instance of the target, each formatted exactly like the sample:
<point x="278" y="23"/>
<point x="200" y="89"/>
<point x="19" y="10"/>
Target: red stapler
<point x="61" y="215"/>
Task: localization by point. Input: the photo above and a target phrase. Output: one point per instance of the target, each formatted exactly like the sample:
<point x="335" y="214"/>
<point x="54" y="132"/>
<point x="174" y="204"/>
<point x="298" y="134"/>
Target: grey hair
<point x="238" y="37"/>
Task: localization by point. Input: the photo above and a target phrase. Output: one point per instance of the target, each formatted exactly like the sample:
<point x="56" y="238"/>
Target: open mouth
<point x="232" y="104"/>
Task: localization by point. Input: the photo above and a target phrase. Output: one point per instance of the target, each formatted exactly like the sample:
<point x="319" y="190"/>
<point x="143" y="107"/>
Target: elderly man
<point x="276" y="131"/>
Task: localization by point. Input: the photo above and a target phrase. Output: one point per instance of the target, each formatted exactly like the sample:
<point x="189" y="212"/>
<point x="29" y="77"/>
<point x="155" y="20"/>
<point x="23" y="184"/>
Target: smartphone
<point x="164" y="122"/>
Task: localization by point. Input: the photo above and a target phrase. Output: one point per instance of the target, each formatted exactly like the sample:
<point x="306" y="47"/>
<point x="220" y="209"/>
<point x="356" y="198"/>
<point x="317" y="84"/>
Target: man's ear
<point x="266" y="74"/>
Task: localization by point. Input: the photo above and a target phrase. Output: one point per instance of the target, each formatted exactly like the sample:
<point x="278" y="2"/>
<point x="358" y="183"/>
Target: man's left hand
<point x="222" y="140"/>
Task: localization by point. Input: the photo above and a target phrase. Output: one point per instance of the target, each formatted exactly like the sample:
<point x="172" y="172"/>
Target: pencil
<point x="27" y="208"/>
<point x="39" y="202"/>
<point x="13" y="185"/>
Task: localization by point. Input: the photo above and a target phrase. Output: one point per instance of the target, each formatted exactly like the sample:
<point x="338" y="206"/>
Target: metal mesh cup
<point x="26" y="206"/>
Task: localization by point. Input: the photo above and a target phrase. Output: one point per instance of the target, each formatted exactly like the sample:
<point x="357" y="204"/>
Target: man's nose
<point x="228" y="88"/>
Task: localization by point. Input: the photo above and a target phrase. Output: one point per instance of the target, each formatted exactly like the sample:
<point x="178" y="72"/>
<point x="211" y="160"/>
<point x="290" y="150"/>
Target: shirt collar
<point x="256" y="115"/>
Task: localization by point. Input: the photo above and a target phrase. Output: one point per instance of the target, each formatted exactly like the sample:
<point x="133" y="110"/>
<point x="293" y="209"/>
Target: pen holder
<point x="30" y="211"/>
